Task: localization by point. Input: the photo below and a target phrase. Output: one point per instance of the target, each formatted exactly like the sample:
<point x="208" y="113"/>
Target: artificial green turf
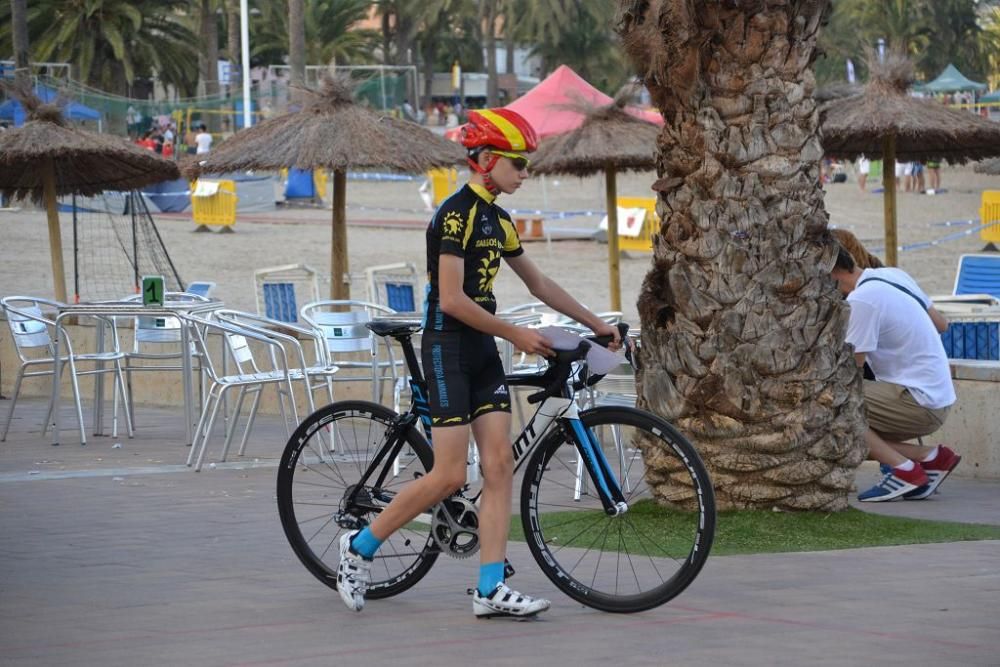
<point x="751" y="531"/>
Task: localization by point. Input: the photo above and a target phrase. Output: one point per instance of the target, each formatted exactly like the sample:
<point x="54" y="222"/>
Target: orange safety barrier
<point x="530" y="229"/>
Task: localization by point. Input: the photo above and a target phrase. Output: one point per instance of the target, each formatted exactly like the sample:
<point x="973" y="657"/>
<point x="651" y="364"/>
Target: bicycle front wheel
<point x="636" y="560"/>
<point x="319" y="473"/>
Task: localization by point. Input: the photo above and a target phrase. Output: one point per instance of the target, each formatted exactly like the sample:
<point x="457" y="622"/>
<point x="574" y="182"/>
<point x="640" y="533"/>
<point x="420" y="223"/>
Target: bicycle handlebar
<point x="561" y="365"/>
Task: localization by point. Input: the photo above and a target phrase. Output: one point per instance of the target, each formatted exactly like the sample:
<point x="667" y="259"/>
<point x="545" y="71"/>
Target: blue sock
<point x="365" y="544"/>
<point x="490" y="574"/>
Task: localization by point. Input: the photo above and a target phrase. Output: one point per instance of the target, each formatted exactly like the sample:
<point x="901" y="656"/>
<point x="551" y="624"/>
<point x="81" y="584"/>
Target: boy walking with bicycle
<point x="466" y="239"/>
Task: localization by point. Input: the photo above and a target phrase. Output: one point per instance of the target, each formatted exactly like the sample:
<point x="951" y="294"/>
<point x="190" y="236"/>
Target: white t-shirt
<point x="898" y="337"/>
<point x="203" y="140"/>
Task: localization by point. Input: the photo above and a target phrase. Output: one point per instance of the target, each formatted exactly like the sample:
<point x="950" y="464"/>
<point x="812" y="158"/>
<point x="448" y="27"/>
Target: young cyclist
<point x="466" y="239"/>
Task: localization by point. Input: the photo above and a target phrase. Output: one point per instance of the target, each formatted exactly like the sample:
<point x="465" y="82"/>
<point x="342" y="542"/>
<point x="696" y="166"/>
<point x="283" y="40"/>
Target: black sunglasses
<point x="519" y="161"/>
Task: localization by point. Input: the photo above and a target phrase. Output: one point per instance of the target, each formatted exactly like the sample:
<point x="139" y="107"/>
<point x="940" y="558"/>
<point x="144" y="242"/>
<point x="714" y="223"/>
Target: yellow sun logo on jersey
<point x="488" y="271"/>
<point x="452" y="224"/>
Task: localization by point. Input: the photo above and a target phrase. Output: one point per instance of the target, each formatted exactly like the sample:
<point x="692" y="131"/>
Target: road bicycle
<point x="588" y="512"/>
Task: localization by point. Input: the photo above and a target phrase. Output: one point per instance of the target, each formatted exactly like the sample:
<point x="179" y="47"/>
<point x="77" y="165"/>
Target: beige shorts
<point x="894" y="414"/>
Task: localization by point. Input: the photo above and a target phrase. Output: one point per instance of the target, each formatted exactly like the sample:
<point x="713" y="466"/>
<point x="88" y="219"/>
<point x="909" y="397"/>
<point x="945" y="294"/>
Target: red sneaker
<point x="942" y="465"/>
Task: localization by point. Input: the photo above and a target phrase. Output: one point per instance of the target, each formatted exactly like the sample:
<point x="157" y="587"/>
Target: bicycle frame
<point x="553" y="412"/>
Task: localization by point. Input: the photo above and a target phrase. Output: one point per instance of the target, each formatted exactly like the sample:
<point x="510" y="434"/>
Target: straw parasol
<point x="46" y="157"/>
<point x="333" y="132"/>
<point x="610" y="140"/>
<point x="991" y="167"/>
<point x="884" y="122"/>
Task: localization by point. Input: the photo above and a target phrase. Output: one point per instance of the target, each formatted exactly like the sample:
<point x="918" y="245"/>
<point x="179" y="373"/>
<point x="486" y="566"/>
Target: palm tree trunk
<point x="19" y="22"/>
<point x="429" y="50"/>
<point x="296" y="45"/>
<point x="233" y="45"/>
<point x="742" y="327"/>
<point x="490" y="44"/>
<point x="208" y="55"/>
<point x="508" y="40"/>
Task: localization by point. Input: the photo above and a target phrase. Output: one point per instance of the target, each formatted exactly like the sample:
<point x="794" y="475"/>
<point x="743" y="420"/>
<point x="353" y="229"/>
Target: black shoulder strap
<point x="899" y="287"/>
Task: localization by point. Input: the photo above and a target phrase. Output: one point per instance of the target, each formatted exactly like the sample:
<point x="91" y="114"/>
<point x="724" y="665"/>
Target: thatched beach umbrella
<point x="333" y="132"/>
<point x="610" y="140"/>
<point x="46" y="157"/>
<point x="884" y="122"/>
<point x="991" y="167"/>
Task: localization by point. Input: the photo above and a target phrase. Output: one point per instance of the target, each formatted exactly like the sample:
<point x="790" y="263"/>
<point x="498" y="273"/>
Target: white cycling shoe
<point x="353" y="574"/>
<point x="504" y="601"/>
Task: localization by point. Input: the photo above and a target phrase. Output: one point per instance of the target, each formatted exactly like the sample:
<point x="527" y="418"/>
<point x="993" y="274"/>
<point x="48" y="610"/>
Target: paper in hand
<point x="600" y="360"/>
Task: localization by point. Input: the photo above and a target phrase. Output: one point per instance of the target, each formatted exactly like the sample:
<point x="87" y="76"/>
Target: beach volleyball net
<point x="115" y="243"/>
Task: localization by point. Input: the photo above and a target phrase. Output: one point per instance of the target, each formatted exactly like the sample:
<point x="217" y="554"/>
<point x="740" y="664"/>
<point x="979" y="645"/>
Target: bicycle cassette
<point x="455" y="527"/>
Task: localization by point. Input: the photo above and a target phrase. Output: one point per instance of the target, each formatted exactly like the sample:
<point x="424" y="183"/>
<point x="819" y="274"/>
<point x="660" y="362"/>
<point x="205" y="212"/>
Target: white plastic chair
<point x="32" y="333"/>
<point x="341" y="324"/>
<point x="252" y="373"/>
<point x="290" y="335"/>
<point x="158" y="339"/>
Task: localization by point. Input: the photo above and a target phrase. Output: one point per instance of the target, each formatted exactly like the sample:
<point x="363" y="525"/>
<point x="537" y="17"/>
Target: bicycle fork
<point x="595" y="463"/>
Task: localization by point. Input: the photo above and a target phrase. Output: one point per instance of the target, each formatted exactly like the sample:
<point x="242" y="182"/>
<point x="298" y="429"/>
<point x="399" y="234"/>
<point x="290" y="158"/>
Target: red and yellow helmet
<point x="499" y="128"/>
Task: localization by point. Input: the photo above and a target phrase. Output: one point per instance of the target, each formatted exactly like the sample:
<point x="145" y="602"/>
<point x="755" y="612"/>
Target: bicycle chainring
<point x="455" y="527"/>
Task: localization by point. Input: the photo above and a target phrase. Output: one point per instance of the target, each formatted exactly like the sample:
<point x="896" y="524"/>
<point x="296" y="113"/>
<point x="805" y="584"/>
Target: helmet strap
<point x="488" y="183"/>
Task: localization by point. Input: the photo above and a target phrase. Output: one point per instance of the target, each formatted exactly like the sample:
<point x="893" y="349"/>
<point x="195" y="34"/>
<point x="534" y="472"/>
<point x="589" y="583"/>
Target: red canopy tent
<point x="548" y="106"/>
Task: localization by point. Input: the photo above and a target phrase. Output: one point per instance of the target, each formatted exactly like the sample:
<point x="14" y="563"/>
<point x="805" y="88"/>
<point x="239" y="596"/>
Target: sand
<point x="287" y="236"/>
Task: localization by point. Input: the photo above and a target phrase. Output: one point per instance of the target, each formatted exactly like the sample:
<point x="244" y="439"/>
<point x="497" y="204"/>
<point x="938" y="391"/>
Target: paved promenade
<point x="123" y="556"/>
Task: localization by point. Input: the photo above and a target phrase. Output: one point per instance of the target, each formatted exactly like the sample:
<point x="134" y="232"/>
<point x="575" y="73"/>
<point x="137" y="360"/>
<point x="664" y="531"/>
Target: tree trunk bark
<point x="19" y="22"/>
<point x="490" y="44"/>
<point x="208" y="56"/>
<point x="296" y="46"/>
<point x="742" y="327"/>
<point x="233" y="46"/>
<point x="508" y="40"/>
<point x="429" y="50"/>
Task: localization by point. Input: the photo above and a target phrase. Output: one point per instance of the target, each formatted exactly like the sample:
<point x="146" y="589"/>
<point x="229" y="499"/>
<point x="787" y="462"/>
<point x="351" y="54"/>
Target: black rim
<point x="628" y="562"/>
<point x="314" y="484"/>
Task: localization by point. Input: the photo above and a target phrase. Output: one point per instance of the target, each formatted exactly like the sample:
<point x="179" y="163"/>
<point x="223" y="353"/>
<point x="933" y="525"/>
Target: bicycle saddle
<point x="394" y="328"/>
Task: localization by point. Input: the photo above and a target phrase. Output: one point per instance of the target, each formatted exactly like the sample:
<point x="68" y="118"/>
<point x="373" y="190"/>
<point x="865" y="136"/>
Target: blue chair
<point x="281" y="289"/>
<point x="201" y="288"/>
<point x="978" y="274"/>
<point x="397" y="286"/>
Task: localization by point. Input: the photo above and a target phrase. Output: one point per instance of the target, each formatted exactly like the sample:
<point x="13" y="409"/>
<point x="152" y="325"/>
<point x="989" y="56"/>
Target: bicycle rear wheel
<point x="322" y="464"/>
<point x="633" y="561"/>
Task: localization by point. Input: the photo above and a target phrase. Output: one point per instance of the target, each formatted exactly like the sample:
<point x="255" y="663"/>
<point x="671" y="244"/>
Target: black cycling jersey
<point x="469" y="225"/>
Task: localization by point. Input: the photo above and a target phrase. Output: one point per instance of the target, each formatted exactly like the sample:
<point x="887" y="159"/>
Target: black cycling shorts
<point x="465" y="378"/>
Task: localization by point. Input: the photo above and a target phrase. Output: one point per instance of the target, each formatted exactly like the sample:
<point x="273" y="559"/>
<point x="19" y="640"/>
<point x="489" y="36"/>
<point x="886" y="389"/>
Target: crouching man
<point x="895" y="328"/>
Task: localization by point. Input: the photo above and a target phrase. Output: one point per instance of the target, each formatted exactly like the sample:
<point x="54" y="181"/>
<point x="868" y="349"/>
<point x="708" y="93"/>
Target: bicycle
<point x="347" y="460"/>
